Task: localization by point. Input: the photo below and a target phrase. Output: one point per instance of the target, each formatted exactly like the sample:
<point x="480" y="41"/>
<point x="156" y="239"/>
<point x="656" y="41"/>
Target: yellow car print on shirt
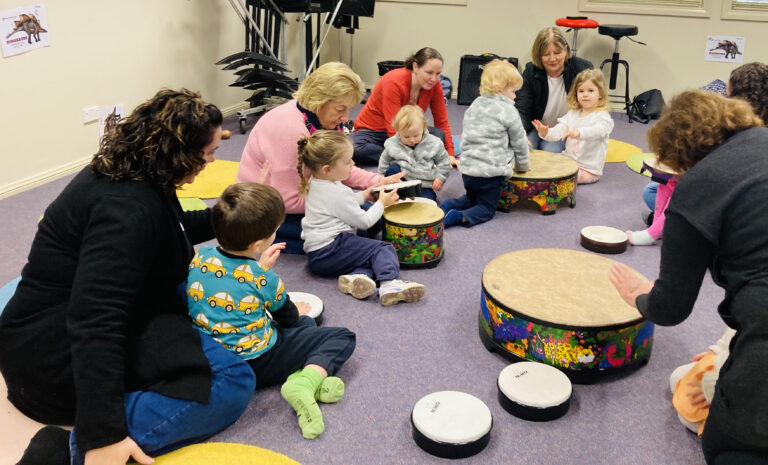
<point x="258" y="324"/>
<point x="195" y="263"/>
<point x="248" y="304"/>
<point x="222" y="327"/>
<point x="213" y="265"/>
<point x="222" y="299"/>
<point x="244" y="273"/>
<point x="201" y="320"/>
<point x="196" y="291"/>
<point x="280" y="291"/>
<point x="247" y="342"/>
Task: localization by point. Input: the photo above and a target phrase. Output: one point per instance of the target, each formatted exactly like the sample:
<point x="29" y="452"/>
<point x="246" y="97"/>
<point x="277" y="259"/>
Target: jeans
<point x="649" y="194"/>
<point x="479" y="204"/>
<point x="541" y="144"/>
<point x="351" y="254"/>
<point x="160" y="424"/>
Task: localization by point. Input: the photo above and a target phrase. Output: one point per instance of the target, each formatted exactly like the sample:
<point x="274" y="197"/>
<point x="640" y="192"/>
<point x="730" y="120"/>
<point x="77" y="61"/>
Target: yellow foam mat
<point x="189" y="204"/>
<point x="635" y="162"/>
<point x="223" y="453"/>
<point x="619" y="151"/>
<point x="212" y="181"/>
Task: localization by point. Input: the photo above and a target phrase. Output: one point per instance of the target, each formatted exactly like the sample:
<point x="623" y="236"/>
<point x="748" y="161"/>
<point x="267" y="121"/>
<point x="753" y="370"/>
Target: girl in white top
<point x="332" y="216"/>
<point x="586" y="127"/>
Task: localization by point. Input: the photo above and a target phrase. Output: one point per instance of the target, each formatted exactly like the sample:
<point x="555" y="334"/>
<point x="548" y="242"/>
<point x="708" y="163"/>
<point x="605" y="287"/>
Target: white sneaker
<point x="358" y="285"/>
<point x="394" y="291"/>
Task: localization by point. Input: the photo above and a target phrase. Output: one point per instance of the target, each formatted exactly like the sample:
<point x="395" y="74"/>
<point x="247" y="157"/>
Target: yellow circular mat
<point x="223" y="453"/>
<point x="619" y="151"/>
<point x="212" y="181"/>
<point x="635" y="163"/>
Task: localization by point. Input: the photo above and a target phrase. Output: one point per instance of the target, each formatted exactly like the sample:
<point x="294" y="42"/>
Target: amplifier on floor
<point x="469" y="75"/>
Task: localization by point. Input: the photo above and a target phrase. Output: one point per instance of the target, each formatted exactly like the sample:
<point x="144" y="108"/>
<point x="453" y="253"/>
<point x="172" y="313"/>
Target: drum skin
<point x="604" y="239"/>
<point x="558" y="307"/>
<point x="552" y="178"/>
<point x="415" y="229"/>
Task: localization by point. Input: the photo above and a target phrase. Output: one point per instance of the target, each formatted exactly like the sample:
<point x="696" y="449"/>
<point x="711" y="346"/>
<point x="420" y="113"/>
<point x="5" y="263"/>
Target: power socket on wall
<point x="90" y="114"/>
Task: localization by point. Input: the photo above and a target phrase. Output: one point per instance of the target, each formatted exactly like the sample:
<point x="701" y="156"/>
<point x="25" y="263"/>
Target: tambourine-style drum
<point x="558" y="307"/>
<point x="451" y="424"/>
<point x="316" y="304"/>
<point x="660" y="172"/>
<point x="405" y="189"/>
<point x="552" y="178"/>
<point x="604" y="239"/>
<point x="534" y="391"/>
<point x="416" y="231"/>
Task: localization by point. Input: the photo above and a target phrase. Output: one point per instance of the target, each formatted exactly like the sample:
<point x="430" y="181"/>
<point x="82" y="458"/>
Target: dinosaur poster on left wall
<point x="23" y="29"/>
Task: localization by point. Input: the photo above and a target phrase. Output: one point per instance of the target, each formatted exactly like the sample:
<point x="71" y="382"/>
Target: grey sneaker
<point x="396" y="291"/>
<point x="358" y="285"/>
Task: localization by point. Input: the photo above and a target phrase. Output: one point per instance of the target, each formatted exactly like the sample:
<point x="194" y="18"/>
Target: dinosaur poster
<point x="725" y="48"/>
<point x="23" y="29"/>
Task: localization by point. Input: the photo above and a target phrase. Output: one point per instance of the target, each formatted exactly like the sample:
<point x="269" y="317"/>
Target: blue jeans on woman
<point x="541" y="144"/>
<point x="160" y="424"/>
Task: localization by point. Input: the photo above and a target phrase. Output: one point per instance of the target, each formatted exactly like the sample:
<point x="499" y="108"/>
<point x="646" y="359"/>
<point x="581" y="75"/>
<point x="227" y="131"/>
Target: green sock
<point x="331" y="390"/>
<point x="299" y="391"/>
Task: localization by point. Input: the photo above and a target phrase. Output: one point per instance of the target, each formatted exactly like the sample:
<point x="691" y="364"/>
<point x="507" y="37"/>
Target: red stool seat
<point x="577" y="23"/>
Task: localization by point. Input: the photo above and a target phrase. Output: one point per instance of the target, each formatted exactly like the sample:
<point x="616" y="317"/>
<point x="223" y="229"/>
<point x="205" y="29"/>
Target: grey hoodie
<point x="426" y="161"/>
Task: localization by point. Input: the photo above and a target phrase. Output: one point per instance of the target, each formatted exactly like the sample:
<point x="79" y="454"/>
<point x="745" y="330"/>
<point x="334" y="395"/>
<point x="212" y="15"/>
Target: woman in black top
<point x="717" y="220"/>
<point x="550" y="73"/>
<point x="97" y="334"/>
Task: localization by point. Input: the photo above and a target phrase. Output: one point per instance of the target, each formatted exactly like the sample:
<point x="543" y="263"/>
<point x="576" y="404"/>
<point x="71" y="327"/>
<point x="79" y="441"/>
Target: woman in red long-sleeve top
<point x="418" y="83"/>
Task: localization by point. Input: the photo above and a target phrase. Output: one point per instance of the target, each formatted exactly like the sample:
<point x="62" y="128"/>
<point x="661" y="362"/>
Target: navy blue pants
<point x="350" y="254"/>
<point x="290" y="233"/>
<point x="479" y="204"/>
<point x="369" y="144"/>
<point x="426" y="192"/>
<point x="301" y="345"/>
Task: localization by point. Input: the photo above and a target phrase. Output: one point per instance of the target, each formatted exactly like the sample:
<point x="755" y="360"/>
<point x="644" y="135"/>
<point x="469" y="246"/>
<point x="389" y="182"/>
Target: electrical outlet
<point x="90" y="114"/>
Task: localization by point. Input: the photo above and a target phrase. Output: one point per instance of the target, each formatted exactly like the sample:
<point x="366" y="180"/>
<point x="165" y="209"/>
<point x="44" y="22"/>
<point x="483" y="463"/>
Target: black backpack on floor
<point x="646" y="106"/>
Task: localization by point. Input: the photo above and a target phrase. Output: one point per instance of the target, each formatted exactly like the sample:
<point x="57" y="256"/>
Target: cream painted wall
<point x="117" y="51"/>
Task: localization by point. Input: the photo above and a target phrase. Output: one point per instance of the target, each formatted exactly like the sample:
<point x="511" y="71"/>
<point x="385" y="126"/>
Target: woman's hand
<point x="697" y="395"/>
<point x="628" y="283"/>
<point x="453" y="161"/>
<point x="117" y="454"/>
<point x="389" y="197"/>
<point x="573" y="133"/>
<point x="265" y="172"/>
<point x="437" y="184"/>
<point x="542" y="129"/>
<point x="270" y="256"/>
<point x="397" y="177"/>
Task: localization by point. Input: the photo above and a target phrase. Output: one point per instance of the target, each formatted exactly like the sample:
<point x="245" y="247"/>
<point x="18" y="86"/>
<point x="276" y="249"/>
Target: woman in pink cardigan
<point x="323" y="101"/>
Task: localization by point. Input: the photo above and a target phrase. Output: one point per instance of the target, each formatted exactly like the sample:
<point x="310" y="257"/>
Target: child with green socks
<point x="235" y="296"/>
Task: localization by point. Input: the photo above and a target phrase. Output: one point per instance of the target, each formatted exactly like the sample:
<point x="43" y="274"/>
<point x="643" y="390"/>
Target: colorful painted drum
<point x="558" y="307"/>
<point x="416" y="231"/>
<point x="552" y="178"/>
<point x="660" y="172"/>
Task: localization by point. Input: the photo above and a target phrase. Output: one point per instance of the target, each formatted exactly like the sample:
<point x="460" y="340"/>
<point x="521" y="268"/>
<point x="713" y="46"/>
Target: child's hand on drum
<point x="303" y="307"/>
<point x="388" y="197"/>
<point x="397" y="177"/>
<point x="437" y="184"/>
<point x="270" y="256"/>
<point x="542" y="129"/>
<point x="629" y="284"/>
<point x="573" y="134"/>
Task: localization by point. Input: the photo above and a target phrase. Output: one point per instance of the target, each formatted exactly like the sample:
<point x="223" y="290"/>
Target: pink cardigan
<point x="274" y="138"/>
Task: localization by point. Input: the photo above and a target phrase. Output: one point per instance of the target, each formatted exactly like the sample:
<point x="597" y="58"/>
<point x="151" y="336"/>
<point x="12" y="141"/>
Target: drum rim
<point x="417" y="226"/>
<point x="319" y="317"/>
<point x="447" y="449"/>
<point x="414" y="226"/>
<point x="481" y="402"/>
<point x="558" y="179"/>
<point x="538" y="414"/>
<point x="410" y="183"/>
<point x="538" y="365"/>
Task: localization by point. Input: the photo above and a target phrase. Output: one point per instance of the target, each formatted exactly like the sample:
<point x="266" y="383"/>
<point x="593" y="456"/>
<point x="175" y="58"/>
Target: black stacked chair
<point x="617" y="31"/>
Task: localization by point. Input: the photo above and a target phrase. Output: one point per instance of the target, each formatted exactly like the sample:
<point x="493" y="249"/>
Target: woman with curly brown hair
<point x="97" y="333"/>
<point x="750" y="82"/>
<point x="716" y="220"/>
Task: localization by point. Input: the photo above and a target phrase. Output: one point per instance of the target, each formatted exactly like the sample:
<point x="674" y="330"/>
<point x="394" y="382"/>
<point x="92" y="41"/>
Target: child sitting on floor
<point x="417" y="152"/>
<point x="587" y="126"/>
<point x="494" y="145"/>
<point x="231" y="288"/>
<point x="333" y="213"/>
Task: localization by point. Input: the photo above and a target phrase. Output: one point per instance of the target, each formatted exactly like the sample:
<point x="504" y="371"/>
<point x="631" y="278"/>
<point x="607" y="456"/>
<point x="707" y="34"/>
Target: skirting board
<point x="53" y="174"/>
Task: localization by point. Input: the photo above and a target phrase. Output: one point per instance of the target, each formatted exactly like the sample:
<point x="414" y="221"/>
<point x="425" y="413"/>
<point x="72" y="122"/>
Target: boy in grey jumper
<point x="493" y="147"/>
<point x="415" y="151"/>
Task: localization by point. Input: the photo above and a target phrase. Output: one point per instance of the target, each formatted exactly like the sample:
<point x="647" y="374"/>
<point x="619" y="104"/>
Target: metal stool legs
<point x="615" y="62"/>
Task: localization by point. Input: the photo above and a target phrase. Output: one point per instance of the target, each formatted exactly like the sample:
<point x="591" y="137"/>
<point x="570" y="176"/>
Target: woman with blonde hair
<point x="716" y="220"/>
<point x="323" y="101"/>
<point x="547" y="79"/>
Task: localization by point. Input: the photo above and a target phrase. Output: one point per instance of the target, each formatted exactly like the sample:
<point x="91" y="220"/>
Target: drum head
<point x="604" y="239"/>
<point x="654" y="164"/>
<point x="413" y="213"/>
<point x="534" y="391"/>
<point x="451" y="424"/>
<point x="420" y="200"/>
<point x="547" y="165"/>
<point x="314" y="301"/>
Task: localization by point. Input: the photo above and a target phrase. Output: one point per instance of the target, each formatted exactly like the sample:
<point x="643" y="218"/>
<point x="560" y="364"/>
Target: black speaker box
<point x="469" y="75"/>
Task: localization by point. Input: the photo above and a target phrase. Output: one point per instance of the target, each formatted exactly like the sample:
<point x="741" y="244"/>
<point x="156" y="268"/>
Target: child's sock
<point x="640" y="237"/>
<point x="299" y="391"/>
<point x="330" y="390"/>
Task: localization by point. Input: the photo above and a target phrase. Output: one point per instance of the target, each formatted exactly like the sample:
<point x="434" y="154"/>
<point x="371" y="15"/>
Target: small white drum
<point x="604" y="239"/>
<point x="314" y="301"/>
<point x="405" y="189"/>
<point x="534" y="391"/>
<point x="660" y="172"/>
<point x="451" y="424"/>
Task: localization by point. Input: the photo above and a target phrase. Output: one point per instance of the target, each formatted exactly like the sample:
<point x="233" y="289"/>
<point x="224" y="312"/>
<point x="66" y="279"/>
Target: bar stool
<point x="576" y="23"/>
<point x="617" y="31"/>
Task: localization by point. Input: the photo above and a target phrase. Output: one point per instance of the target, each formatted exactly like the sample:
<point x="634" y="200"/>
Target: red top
<point x="392" y="91"/>
<point x="577" y="23"/>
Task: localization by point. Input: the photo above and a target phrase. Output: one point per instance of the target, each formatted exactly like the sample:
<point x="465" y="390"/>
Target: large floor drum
<point x="415" y="229"/>
<point x="552" y="178"/>
<point x="558" y="307"/>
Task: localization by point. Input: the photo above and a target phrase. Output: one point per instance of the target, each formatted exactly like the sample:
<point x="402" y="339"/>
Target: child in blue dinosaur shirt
<point x="235" y="297"/>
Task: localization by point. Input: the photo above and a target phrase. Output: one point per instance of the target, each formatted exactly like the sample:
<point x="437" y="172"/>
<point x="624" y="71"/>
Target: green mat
<point x="635" y="163"/>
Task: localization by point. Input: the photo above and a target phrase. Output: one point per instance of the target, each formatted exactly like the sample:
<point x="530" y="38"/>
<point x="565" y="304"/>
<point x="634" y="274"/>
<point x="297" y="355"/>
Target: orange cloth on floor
<point x="680" y="399"/>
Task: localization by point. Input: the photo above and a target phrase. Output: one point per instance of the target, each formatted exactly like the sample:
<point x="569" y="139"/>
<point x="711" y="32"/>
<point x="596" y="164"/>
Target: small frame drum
<point x="405" y="189"/>
<point x="534" y="391"/>
<point x="558" y="307"/>
<point x="314" y="301"/>
<point x="552" y="178"/>
<point x="416" y="231"/>
<point x="604" y="239"/>
<point x="451" y="424"/>
<point x="660" y="172"/>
